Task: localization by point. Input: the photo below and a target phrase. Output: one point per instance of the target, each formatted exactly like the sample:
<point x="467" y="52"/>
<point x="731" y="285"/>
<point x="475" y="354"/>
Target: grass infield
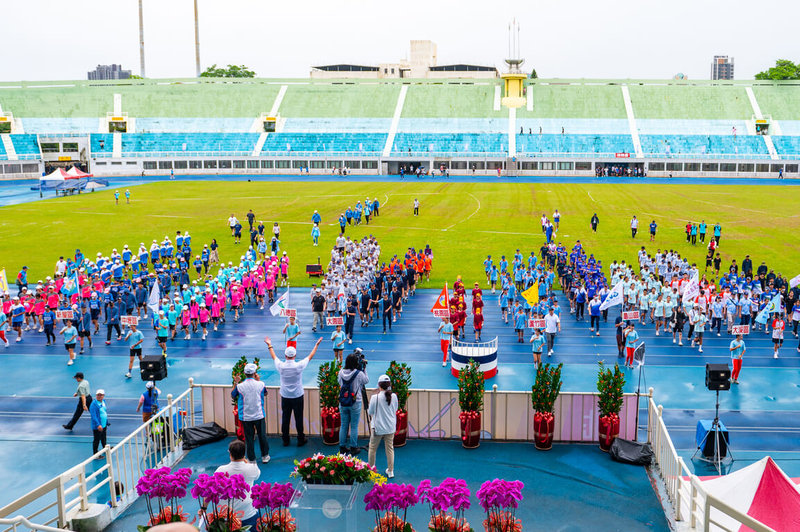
<point x="462" y="222"/>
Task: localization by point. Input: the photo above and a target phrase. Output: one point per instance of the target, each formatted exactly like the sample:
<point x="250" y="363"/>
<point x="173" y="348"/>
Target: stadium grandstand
<point x="274" y="126"/>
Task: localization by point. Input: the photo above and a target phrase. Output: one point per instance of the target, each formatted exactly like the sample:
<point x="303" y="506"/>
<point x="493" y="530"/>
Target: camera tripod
<point x="718" y="436"/>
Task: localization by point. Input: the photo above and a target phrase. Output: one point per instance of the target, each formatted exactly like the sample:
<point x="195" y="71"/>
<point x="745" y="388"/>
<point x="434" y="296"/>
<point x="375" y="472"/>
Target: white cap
<point x="250" y="369"/>
<point x="290" y="352"/>
<point x="100" y="392"/>
<point x="149" y="385"/>
<point x="384" y="378"/>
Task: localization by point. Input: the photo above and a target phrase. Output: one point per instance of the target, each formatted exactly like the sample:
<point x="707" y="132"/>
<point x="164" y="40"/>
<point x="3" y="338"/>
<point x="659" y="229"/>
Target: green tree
<point x="232" y="71"/>
<point x="783" y="69"/>
<point x="534" y="75"/>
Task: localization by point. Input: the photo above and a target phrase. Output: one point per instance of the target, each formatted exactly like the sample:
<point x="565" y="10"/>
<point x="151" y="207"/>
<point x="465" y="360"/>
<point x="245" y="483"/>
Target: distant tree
<point x="233" y="71"/>
<point x="134" y="76"/>
<point x="783" y="69"/>
<point x="534" y="75"/>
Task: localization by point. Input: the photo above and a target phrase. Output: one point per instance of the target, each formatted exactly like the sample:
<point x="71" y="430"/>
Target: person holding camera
<point x="352" y="378"/>
<point x="382" y="411"/>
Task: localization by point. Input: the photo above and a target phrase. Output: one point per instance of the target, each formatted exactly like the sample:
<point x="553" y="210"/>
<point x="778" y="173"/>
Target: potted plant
<point x="238" y="370"/>
<point x="543" y="397"/>
<point x="451" y="493"/>
<point x="275" y="500"/>
<point x="388" y="500"/>
<point x="609" y="403"/>
<point x="400" y="375"/>
<point x="337" y="469"/>
<point x="470" y="400"/>
<point x="167" y="488"/>
<point x="500" y="499"/>
<point x="327" y="380"/>
<point x="210" y="491"/>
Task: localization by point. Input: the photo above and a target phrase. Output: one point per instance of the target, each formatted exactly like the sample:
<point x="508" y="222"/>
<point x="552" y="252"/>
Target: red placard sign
<point x="441" y="312"/>
<point x="536" y="324"/>
<point x="740" y="329"/>
<point x="622" y="155"/>
<point x="289" y="312"/>
<point x="65" y="315"/>
<point x="630" y="315"/>
<point x="129" y="320"/>
<point x="334" y="320"/>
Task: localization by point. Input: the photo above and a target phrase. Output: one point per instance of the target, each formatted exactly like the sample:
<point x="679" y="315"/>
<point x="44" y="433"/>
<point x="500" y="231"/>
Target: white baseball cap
<point x="149" y="385"/>
<point x="290" y="352"/>
<point x="384" y="378"/>
<point x="100" y="392"/>
<point x="250" y="369"/>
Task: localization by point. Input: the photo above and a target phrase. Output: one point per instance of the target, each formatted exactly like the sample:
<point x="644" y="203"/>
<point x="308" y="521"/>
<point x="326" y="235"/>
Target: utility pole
<point x="141" y="40"/>
<point x="196" y="40"/>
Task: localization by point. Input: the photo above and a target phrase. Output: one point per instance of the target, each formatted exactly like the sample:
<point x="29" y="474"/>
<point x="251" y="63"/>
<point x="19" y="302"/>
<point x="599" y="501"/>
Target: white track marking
<point x="590" y="196"/>
<point x="471" y="215"/>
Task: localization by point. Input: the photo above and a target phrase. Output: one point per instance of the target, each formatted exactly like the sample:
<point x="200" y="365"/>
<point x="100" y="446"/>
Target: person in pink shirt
<point x="52" y="300"/>
<point x="261" y="291"/>
<point x="194" y="313"/>
<point x="223" y="301"/>
<point x="270" y="285"/>
<point x="235" y="302"/>
<point x="284" y="269"/>
<point x="186" y="321"/>
<point x="204" y="316"/>
<point x="38" y="310"/>
<point x="215" y="312"/>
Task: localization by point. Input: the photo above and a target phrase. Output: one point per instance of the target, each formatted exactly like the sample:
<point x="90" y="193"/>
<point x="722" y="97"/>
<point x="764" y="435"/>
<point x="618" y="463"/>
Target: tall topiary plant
<point x="545" y="390"/>
<point x="470" y="388"/>
<point x="400" y="375"/>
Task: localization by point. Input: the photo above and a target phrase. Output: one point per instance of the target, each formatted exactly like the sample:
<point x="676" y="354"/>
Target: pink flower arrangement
<point x="500" y="499"/>
<point x="167" y="487"/>
<point x="451" y="493"/>
<point x="335" y="469"/>
<point x="391" y="499"/>
<point x="275" y="498"/>
<point x="211" y="490"/>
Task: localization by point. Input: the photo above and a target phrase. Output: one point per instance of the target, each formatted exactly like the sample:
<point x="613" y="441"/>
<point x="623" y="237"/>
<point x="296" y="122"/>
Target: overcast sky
<point x="57" y="39"/>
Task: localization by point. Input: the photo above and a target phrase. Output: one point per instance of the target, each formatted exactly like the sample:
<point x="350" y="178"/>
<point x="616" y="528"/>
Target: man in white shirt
<point x="232" y="221"/>
<point x="249" y="397"/>
<point x="634" y="226"/>
<point x="61" y="266"/>
<point x="250" y="471"/>
<point x="292" y="394"/>
<point x="552" y="325"/>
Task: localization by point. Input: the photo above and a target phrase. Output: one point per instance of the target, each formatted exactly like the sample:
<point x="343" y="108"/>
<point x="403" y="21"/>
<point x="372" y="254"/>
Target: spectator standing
<point x="351" y="380"/>
<point x="634" y="226"/>
<point x="594" y="221"/>
<point x="416" y="207"/>
<point x="232" y="221"/>
<point x="239" y="465"/>
<point x="148" y="401"/>
<point x="99" y="415"/>
<point x="382" y="410"/>
<point x="552" y="326"/>
<point x="318" y="305"/>
<point x="250" y="398"/>
<point x="251" y="218"/>
<point x="84" y="400"/>
<point x="292" y="394"/>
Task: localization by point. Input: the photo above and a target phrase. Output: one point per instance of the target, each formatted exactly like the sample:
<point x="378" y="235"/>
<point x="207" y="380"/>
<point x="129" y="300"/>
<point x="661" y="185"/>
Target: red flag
<point x="442" y="306"/>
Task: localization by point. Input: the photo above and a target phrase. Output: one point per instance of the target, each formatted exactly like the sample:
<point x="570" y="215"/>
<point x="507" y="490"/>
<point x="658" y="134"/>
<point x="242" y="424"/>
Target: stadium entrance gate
<point x="394" y="166"/>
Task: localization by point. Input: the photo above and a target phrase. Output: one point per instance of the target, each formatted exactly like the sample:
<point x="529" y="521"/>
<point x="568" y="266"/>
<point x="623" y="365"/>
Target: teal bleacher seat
<point x="26" y="145"/>
<point x="576" y="145"/>
<point x="718" y="146"/>
<point x="787" y="147"/>
<point x="107" y="145"/>
<point x="452" y="144"/>
<point x="357" y="143"/>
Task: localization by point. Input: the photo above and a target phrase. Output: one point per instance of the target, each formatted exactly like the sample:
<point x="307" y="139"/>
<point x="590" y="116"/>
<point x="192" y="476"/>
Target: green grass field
<point x="461" y="221"/>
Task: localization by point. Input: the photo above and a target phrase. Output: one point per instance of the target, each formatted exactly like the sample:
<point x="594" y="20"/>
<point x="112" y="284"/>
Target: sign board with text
<point x="740" y="329"/>
<point x="289" y="312"/>
<point x="64" y="315"/>
<point x="441" y="312"/>
<point x="622" y="155"/>
<point x="334" y="320"/>
<point x="630" y="315"/>
<point x="129" y="320"/>
<point x="536" y="324"/>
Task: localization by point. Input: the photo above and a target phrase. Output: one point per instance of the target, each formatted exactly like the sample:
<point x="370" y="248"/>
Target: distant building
<point x="109" y="72"/>
<point x="722" y="67"/>
<point x="423" y="64"/>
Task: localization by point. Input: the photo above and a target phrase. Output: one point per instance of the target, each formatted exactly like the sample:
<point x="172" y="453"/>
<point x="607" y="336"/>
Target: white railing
<point x="19" y="521"/>
<point x="685" y="491"/>
<point x="154" y="444"/>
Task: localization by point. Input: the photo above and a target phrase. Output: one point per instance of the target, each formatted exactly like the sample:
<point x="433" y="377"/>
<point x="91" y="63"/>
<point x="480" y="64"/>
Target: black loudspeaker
<point x="711" y="441"/>
<point x="153" y="368"/>
<point x="718" y="377"/>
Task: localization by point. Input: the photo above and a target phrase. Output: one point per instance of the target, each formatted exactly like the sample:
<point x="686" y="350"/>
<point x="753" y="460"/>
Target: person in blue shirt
<point x="493" y="275"/>
<point x="631" y="336"/>
<point x="487" y="266"/>
<point x="70" y="337"/>
<point x="503" y="301"/>
<point x="148" y="401"/>
<point x="737" y="349"/>
<point x="717" y="232"/>
<point x="99" y="415"/>
<point x="237" y="232"/>
<point x="519" y="324"/>
<point x="342" y="222"/>
<point x="594" y="314"/>
<point x="367" y="211"/>
<point x="701" y="230"/>
<point x="693" y="234"/>
<point x="315" y="234"/>
<point x="316" y="218"/>
<point x="116" y="197"/>
<point x="376" y="207"/>
<point x="445" y="335"/>
<point x="653" y="227"/>
<point x="537" y="342"/>
<point x="127" y="196"/>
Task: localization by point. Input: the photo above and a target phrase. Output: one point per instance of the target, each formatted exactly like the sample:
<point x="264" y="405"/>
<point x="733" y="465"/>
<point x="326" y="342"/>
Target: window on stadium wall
<point x="353" y="165"/>
<point x="30" y="168"/>
<point x="253" y="164"/>
<point x="164" y="165"/>
<point x="727" y="167"/>
<point x="130" y="163"/>
<point x="655" y="167"/>
<point x="225" y="164"/>
<point x="69" y="147"/>
<point x="13" y="168"/>
<point x="283" y="164"/>
<point x="369" y="165"/>
<point x="195" y="165"/>
<point x="547" y="166"/>
<point x="675" y="167"/>
<point x="5" y="127"/>
<point x="747" y="167"/>
<point x="150" y="165"/>
<point x="210" y="165"/>
<point x="776" y="168"/>
<point x="583" y="165"/>
<point x="333" y="164"/>
<point x="238" y="164"/>
<point x="530" y="166"/>
<point x="101" y="163"/>
<point x="791" y="168"/>
<point x="458" y="165"/>
<point x="565" y="166"/>
<point x="180" y="165"/>
<point x="763" y="168"/>
<point x="266" y="164"/>
<point x="691" y="167"/>
<point x="317" y="164"/>
<point x="299" y="164"/>
<point x="50" y="147"/>
<point x="710" y="167"/>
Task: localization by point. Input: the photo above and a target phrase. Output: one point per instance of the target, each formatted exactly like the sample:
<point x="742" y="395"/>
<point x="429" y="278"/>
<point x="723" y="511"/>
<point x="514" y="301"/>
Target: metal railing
<point x="686" y="493"/>
<point x="20" y="523"/>
<point x="153" y="444"/>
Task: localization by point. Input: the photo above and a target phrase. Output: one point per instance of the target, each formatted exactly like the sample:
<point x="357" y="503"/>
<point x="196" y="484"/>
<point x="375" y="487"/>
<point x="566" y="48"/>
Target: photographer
<point x="352" y="378"/>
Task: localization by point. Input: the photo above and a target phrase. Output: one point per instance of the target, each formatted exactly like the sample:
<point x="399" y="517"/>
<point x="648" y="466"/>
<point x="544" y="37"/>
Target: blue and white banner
<point x="614" y="297"/>
<point x="772" y="307"/>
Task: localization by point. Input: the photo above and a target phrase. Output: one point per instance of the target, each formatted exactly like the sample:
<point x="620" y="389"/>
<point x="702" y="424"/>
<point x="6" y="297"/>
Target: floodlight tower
<point x="141" y="40"/>
<point x="514" y="79"/>
<point x="196" y="40"/>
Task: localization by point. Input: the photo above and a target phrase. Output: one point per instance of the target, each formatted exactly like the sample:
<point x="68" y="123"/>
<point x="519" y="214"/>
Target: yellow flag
<point x="3" y="282"/>
<point x="531" y="295"/>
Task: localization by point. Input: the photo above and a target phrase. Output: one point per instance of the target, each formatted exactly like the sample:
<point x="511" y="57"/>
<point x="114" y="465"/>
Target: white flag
<point x="614" y="297"/>
<point x="794" y="281"/>
<point x="154" y="299"/>
<point x="281" y="303"/>
<point x="692" y="290"/>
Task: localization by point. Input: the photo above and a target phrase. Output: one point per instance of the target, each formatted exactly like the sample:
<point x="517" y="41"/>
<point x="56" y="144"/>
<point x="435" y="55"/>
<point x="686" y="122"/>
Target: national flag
<point x="281" y="304"/>
<point x="3" y="282"/>
<point x="441" y="306"/>
<point x="71" y="285"/>
<point x="692" y="290"/>
<point x="794" y="281"/>
<point x="154" y="299"/>
<point x="614" y="297"/>
<point x="772" y="307"/>
<point x="531" y="295"/>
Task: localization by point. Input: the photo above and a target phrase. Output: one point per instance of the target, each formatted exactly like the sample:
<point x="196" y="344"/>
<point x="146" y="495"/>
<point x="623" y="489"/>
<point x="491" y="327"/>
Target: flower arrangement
<point x="338" y="469"/>
<point x="546" y="388"/>
<point x="400" y="375"/>
<point x="451" y="493"/>
<point x="167" y="488"/>
<point x="500" y="499"/>
<point x="609" y="384"/>
<point x="211" y="490"/>
<point x="470" y="388"/>
<point x="275" y="499"/>
<point x="391" y="499"/>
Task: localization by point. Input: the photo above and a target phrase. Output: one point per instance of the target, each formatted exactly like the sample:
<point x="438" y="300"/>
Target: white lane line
<point x="168" y="216"/>
<point x="590" y="196"/>
<point x="471" y="215"/>
<point x="504" y="233"/>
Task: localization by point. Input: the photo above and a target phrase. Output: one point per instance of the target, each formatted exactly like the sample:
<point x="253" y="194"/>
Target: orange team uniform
<point x="428" y="262"/>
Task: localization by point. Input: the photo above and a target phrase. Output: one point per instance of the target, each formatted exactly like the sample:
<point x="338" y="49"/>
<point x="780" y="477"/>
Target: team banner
<point x="794" y="281"/>
<point x="334" y="320"/>
<point x="614" y="297"/>
<point x="280" y="304"/>
<point x="536" y="324"/>
<point x="531" y="295"/>
<point x="740" y="329"/>
<point x="630" y="315"/>
<point x="64" y="315"/>
<point x="440" y="307"/>
<point x="288" y="313"/>
<point x="692" y="290"/>
<point x="3" y="282"/>
<point x="70" y="285"/>
<point x="772" y="307"/>
<point x="129" y="320"/>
